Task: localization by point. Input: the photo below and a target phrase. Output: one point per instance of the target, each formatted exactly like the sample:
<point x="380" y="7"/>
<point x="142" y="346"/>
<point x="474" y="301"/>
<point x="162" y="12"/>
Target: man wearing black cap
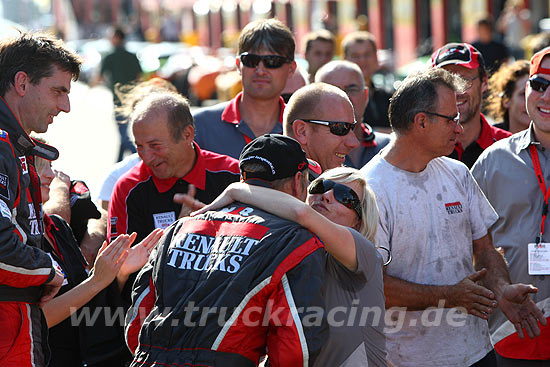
<point x="229" y="287"/>
<point x="466" y="61"/>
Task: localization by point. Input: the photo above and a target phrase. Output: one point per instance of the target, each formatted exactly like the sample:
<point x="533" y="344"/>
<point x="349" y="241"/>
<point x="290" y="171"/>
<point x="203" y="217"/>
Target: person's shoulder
<point x="216" y="162"/>
<point x="370" y="169"/>
<point x="499" y="133"/>
<point x="449" y="163"/>
<point x="206" y="113"/>
<point x="503" y="147"/>
<point x="139" y="173"/>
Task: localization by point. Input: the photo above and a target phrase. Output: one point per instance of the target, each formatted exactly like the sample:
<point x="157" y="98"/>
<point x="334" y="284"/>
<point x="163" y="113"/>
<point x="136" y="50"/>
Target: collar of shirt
<point x="196" y="177"/>
<point x="524" y="138"/>
<point x="488" y="135"/>
<point x="232" y="115"/>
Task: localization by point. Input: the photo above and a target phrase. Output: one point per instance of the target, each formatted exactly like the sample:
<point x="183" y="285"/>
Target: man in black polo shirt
<point x="466" y="61"/>
<point x="143" y="199"/>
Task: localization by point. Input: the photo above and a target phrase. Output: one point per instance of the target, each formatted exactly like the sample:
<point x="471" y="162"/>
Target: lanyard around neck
<point x="542" y="185"/>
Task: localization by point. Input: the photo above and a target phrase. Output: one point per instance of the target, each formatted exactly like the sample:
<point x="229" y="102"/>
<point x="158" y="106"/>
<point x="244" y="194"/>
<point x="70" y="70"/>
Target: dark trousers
<point x="507" y="362"/>
<point x="489" y="360"/>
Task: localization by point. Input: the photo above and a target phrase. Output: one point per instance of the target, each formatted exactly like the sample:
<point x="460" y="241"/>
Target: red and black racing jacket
<point x="225" y="288"/>
<point x="24" y="267"/>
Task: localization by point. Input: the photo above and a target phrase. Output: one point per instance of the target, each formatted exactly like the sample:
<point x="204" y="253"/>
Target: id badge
<point x="539" y="258"/>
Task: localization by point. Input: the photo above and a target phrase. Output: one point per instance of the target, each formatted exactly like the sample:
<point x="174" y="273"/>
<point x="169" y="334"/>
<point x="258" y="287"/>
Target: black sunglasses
<point x="339" y="128"/>
<point x="270" y="61"/>
<point x="539" y="84"/>
<point x="342" y="193"/>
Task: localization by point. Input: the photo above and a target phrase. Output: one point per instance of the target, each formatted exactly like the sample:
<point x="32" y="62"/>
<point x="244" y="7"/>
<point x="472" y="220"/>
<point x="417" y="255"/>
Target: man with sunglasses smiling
<point x="320" y="116"/>
<point x="466" y="61"/>
<point x="265" y="62"/>
<point x="435" y="220"/>
<point x="513" y="174"/>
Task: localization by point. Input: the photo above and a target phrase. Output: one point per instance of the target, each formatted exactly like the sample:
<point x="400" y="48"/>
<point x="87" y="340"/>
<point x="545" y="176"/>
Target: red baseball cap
<point x="462" y="54"/>
<point x="536" y="60"/>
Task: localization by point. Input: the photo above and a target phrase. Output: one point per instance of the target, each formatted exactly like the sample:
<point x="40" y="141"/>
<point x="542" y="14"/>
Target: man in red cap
<point x="465" y="60"/>
<point x="513" y="173"/>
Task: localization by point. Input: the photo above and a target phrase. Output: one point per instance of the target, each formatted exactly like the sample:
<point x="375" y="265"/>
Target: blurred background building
<point x="164" y="32"/>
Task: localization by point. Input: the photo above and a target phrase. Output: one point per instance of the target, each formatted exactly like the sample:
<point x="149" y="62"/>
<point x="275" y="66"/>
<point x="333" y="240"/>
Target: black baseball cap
<point x="281" y="155"/>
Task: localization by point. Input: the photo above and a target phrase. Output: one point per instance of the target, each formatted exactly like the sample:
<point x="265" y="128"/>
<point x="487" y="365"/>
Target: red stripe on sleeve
<point x="141" y="310"/>
<point x="17" y="279"/>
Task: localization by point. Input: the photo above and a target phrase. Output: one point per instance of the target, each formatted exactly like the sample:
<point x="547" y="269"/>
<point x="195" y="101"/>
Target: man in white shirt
<point x="435" y="220"/>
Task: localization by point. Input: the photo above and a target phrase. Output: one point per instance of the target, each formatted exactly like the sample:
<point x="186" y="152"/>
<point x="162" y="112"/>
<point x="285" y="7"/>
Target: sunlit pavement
<point x="87" y="137"/>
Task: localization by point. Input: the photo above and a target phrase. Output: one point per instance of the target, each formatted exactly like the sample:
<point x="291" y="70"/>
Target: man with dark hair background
<point x="319" y="49"/>
<point x="265" y="62"/>
<point x="466" y="61"/>
<point x="120" y="68"/>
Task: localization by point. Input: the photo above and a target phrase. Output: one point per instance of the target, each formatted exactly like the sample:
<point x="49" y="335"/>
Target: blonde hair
<point x="369" y="208"/>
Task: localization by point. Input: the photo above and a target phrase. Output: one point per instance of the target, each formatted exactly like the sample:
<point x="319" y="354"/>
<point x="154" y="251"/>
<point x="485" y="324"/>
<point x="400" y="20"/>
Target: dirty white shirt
<point x="429" y="220"/>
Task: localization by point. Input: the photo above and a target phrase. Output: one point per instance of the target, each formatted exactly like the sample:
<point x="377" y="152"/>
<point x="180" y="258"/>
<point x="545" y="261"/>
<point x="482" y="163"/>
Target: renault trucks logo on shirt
<point x="454" y="208"/>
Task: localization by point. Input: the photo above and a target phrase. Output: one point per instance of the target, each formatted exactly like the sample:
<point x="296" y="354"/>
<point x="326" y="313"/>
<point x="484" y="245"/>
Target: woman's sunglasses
<point x="340" y="128"/>
<point x="342" y="193"/>
<point x="269" y="61"/>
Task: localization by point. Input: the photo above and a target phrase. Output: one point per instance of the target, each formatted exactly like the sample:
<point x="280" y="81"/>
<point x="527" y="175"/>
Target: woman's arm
<point x="107" y="264"/>
<point x="338" y="239"/>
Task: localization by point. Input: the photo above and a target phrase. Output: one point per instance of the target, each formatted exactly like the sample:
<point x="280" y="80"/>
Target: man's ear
<point x="238" y="64"/>
<point x="301" y="131"/>
<point x="299" y="190"/>
<point x="367" y="95"/>
<point x="291" y="70"/>
<point x="188" y="133"/>
<point x="21" y="83"/>
<point x="484" y="83"/>
<point x="420" y="121"/>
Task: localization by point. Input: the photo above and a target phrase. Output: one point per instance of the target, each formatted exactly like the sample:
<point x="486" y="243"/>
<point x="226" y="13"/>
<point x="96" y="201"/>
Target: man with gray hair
<point x="347" y="76"/>
<point x="320" y="116"/>
<point x="143" y="198"/>
<point x="435" y="220"/>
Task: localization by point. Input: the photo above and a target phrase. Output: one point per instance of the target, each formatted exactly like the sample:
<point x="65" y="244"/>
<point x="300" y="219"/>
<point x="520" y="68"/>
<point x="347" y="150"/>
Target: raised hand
<point x="138" y="255"/>
<point x="188" y="202"/>
<point x="109" y="260"/>
<point x="520" y="309"/>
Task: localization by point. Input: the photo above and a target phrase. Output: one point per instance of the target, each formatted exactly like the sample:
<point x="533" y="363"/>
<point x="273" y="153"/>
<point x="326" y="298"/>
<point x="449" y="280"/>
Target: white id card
<point x="539" y="259"/>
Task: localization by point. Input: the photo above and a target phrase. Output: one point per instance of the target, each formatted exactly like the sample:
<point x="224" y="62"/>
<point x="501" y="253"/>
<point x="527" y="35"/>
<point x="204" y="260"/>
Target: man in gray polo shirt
<point x="510" y="177"/>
